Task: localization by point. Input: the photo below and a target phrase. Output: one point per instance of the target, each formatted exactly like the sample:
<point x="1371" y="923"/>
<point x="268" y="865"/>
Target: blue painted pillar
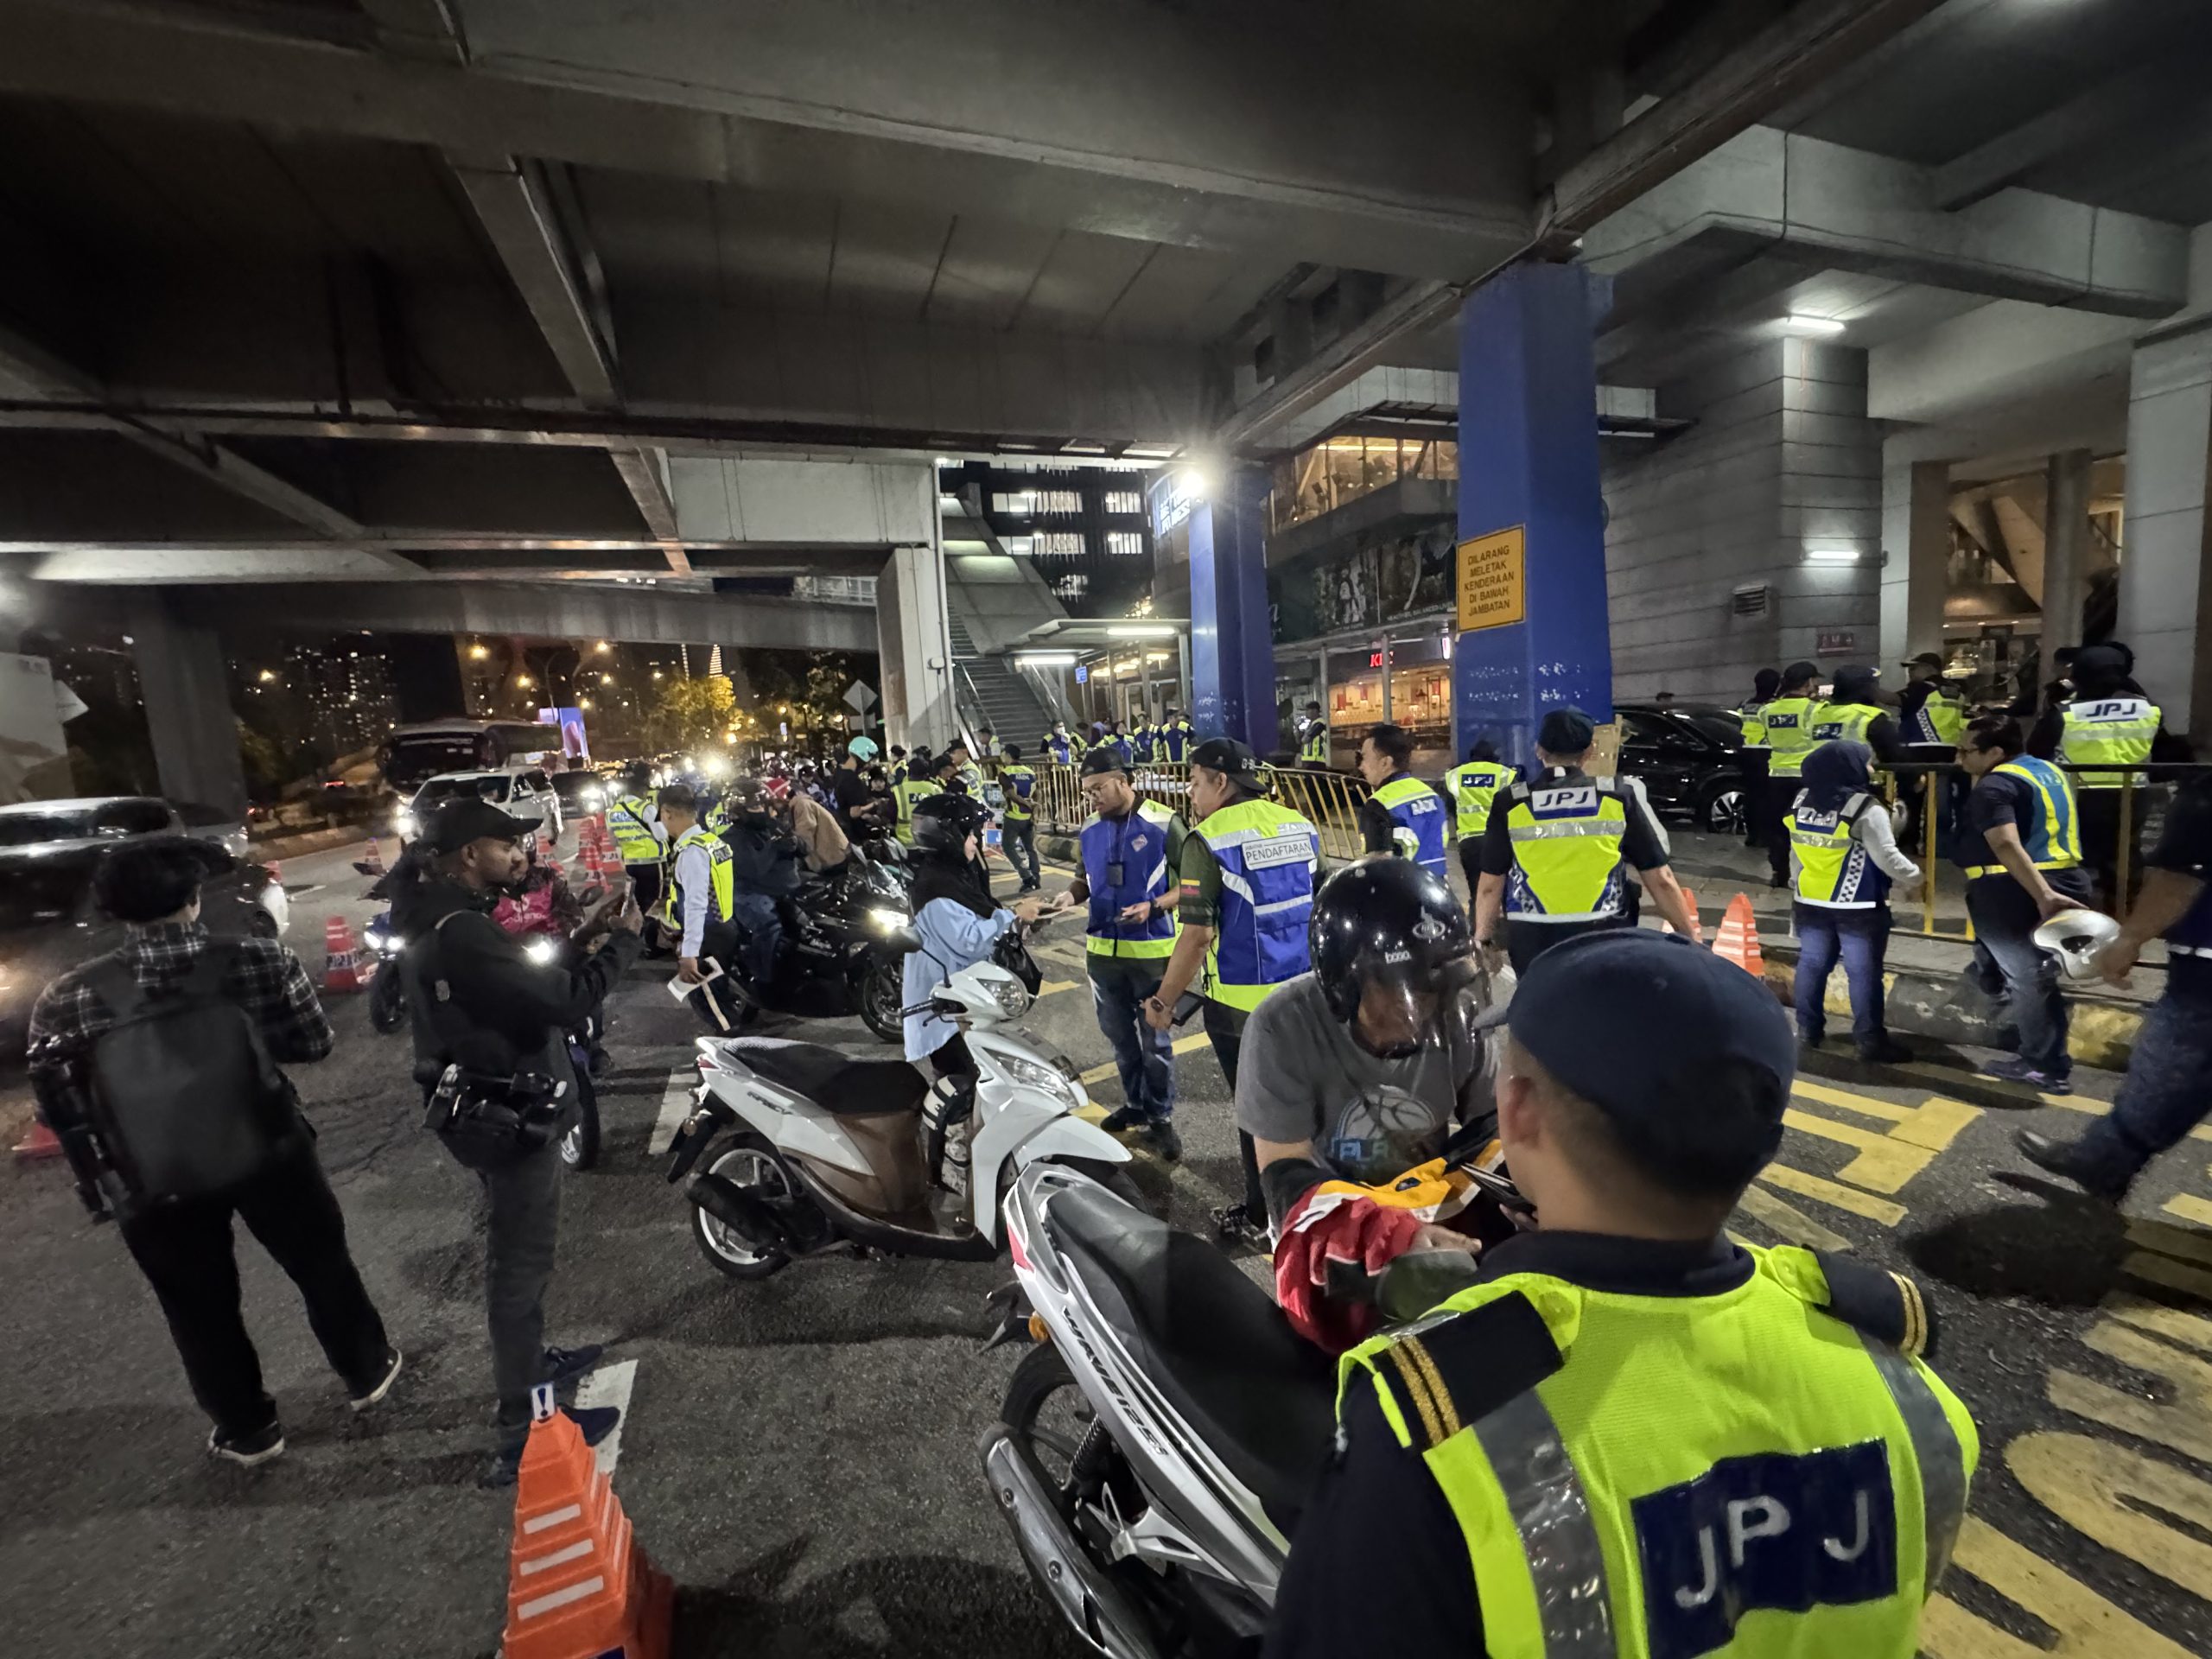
<point x="1529" y="457"/>
<point x="1232" y="645"/>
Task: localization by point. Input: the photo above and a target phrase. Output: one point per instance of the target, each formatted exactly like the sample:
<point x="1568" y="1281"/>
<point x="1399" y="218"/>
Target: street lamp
<point x="523" y="680"/>
<point x="479" y="653"/>
<point x="602" y="646"/>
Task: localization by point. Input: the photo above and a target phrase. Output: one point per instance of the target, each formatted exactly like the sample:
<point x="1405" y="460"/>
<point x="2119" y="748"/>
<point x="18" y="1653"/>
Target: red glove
<point x="1328" y="1239"/>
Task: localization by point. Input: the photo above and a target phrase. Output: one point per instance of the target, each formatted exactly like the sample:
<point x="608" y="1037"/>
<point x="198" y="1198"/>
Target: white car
<point x="90" y="820"/>
<point x="524" y="793"/>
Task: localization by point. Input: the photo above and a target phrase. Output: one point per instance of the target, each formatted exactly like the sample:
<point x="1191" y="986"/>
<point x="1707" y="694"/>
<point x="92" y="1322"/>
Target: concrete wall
<point x="1782" y="459"/>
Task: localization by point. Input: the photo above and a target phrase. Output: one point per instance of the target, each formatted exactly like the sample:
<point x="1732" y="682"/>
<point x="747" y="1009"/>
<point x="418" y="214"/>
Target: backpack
<point x="182" y="1087"/>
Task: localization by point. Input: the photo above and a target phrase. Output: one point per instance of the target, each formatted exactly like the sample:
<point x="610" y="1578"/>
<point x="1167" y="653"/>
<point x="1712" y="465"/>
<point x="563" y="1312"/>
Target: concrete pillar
<point x="1528" y="458"/>
<point x="1232" y="646"/>
<point x="184" y="676"/>
<point x="1916" y="556"/>
<point x="916" y="649"/>
<point x="2165" y="605"/>
<point x="2065" y="548"/>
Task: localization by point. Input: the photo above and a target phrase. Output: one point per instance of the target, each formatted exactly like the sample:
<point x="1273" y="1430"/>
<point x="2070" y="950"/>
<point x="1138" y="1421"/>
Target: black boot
<point x="2065" y="1158"/>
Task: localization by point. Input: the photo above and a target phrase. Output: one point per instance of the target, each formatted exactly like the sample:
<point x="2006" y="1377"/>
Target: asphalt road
<point x="798" y="1452"/>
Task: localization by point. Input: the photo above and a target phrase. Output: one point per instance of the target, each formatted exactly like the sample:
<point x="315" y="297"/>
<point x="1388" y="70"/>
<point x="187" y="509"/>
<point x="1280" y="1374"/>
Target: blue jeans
<point x="2164" y="1095"/>
<point x="755" y="913"/>
<point x="1860" y="937"/>
<point x="1018" y="837"/>
<point x="2004" y="920"/>
<point x="1145" y="1057"/>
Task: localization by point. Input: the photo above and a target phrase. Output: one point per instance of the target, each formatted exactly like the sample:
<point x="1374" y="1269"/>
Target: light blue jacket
<point x="953" y="938"/>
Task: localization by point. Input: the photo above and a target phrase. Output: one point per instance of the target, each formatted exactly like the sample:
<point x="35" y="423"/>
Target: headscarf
<point x="941" y="874"/>
<point x="1835" y="772"/>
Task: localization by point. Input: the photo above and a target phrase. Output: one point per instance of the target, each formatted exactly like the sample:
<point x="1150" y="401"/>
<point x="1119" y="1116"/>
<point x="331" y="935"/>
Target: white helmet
<point x="2076" y="937"/>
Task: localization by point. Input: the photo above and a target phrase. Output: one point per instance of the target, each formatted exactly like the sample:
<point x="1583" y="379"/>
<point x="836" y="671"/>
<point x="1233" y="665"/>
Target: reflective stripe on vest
<point x="1316" y="745"/>
<point x="1137" y="844"/>
<point x="1269" y="855"/>
<point x="1174" y="741"/>
<point x="1418" y="811"/>
<point x="1693" y="1462"/>
<point x="1788" y="725"/>
<point x="1474" y="787"/>
<point x="2055" y="841"/>
<point x="720" y="876"/>
<point x="909" y="794"/>
<point x="635" y="840"/>
<point x="1842" y="721"/>
<point x="1566" y="851"/>
<point x="1938" y="719"/>
<point x="1020" y="809"/>
<point x="1828" y="865"/>
<point x="1754" y="727"/>
<point x="2113" y="731"/>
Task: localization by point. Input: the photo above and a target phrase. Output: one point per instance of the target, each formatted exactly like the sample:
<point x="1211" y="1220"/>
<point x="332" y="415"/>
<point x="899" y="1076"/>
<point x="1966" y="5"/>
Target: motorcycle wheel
<point x="745" y="1160"/>
<point x="882" y="996"/>
<point x="387" y="999"/>
<point x="580" y="1146"/>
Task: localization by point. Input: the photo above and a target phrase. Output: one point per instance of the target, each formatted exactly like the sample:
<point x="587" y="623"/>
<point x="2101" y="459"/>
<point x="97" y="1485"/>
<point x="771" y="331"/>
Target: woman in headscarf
<point x="1752" y="755"/>
<point x="1843" y="856"/>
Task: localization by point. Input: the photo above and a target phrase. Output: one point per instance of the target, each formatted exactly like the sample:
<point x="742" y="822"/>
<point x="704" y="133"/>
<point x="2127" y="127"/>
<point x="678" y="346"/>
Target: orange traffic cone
<point x="373" y="864"/>
<point x="578" y="1586"/>
<point x="1739" y="938"/>
<point x="40" y="1143"/>
<point x="344" y="968"/>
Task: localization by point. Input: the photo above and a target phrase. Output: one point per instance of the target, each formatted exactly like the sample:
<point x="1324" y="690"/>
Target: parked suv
<point x="524" y="793"/>
<point x="1688" y="757"/>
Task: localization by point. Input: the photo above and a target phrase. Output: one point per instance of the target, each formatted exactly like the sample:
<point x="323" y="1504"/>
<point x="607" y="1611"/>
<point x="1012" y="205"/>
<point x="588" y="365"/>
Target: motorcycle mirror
<point x="904" y="939"/>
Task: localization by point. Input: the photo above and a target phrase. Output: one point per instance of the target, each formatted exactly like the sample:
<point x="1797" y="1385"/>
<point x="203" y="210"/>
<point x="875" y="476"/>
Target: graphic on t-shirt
<point x="1380" y="1133"/>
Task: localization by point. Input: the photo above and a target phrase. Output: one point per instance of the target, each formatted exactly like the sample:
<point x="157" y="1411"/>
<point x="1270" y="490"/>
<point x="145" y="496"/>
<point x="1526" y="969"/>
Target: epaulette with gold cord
<point x="1888" y="1307"/>
<point x="1450" y="1370"/>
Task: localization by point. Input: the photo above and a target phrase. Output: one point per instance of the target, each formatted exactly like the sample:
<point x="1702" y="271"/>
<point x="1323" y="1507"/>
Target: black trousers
<point x="1224" y="1028"/>
<point x="1755" y="781"/>
<point x="524" y="1226"/>
<point x="1525" y="941"/>
<point x="1780" y="793"/>
<point x="186" y="1251"/>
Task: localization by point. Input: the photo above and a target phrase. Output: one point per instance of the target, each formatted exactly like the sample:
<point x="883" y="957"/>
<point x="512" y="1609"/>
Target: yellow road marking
<point x="2161" y="1319"/>
<point x="2179" y="1416"/>
<point x="1883" y="1165"/>
<point x="2088" y="1626"/>
<point x="1054" y="986"/>
<point x="1835" y="1193"/>
<point x="2189" y="1207"/>
<point x="1183" y="1046"/>
<point x="2157" y="1269"/>
<point x="1850" y="1101"/>
<point x="1934" y="1124"/>
<point x="2183" y="1243"/>
<point x="2116" y="1495"/>
<point x="1786" y="1219"/>
<point x="2022" y="1093"/>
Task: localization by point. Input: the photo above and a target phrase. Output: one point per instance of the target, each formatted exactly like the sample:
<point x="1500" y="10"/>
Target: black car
<point x="1686" y="756"/>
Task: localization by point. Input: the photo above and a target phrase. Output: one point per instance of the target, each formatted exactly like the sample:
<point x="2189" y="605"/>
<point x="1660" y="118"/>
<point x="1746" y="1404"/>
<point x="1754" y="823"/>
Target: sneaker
<point x="564" y="1365"/>
<point x="248" y="1450"/>
<point x="1234" y="1223"/>
<point x="1160" y="1134"/>
<point x="382" y="1386"/>
<point x="2065" y="1159"/>
<point x="1885" y="1050"/>
<point x="595" y="1423"/>
<point x="1124" y="1120"/>
<point x="2013" y="1069"/>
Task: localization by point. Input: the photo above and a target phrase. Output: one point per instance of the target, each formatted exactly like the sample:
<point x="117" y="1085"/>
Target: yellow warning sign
<point x="1493" y="590"/>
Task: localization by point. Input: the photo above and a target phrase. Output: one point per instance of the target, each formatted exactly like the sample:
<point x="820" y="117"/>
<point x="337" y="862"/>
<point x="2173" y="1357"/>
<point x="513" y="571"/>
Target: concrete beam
<point x="516" y="214"/>
<point x="1856" y="210"/>
<point x="28" y="371"/>
<point x="419" y="28"/>
<point x="539" y="610"/>
<point x="2125" y="99"/>
<point x="645" y="474"/>
<point x="886" y="504"/>
<point x="1217" y="152"/>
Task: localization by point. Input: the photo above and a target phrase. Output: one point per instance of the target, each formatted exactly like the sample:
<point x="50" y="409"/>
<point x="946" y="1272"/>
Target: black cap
<point x="1855" y="681"/>
<point x="1105" y="757"/>
<point x="453" y="826"/>
<point x="1799" y="671"/>
<point x="1927" y="659"/>
<point x="2111" y="661"/>
<point x="1566" y="731"/>
<point x="1670" y="1011"/>
<point x="1233" y="759"/>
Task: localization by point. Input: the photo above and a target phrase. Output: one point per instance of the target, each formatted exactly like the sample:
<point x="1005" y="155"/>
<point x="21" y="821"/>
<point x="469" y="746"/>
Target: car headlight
<point x="541" y="950"/>
<point x="1031" y="1075"/>
<point x="402" y="823"/>
<point x="885" y="920"/>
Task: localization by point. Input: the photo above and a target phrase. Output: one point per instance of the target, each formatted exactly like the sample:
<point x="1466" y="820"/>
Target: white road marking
<point x="675" y="1107"/>
<point x="610" y="1385"/>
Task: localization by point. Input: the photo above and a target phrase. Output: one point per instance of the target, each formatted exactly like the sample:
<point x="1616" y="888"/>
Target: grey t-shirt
<point x="1302" y="1076"/>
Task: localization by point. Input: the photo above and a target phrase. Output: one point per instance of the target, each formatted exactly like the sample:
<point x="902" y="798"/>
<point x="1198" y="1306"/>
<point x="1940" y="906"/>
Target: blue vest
<point x="2054" y="840"/>
<point x="1135" y="848"/>
<point x="1174" y="740"/>
<point x="1058" y="746"/>
<point x="1267" y="856"/>
<point x="1418" y="811"/>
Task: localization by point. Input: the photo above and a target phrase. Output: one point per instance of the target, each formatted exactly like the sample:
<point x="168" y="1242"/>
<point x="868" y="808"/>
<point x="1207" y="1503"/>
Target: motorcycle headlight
<point x="541" y="950"/>
<point x="884" y="919"/>
<point x="1043" y="1079"/>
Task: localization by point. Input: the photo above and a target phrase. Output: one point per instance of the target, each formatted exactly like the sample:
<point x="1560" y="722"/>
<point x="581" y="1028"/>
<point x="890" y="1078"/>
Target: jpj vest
<point x="1418" y="811"/>
<point x="1474" y="787"/>
<point x="1843" y="721"/>
<point x="1567" y="850"/>
<point x="2054" y="840"/>
<point x="2109" y="731"/>
<point x="633" y="830"/>
<point x="1831" y="867"/>
<point x="1019" y="784"/>
<point x="1788" y="722"/>
<point x="1269" y="855"/>
<point x="720" y="874"/>
<point x="1125" y="863"/>
<point x="1938" y="719"/>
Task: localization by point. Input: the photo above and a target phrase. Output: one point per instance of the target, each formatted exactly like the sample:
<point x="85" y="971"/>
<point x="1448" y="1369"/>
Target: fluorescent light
<point x="1831" y="555"/>
<point x="1045" y="658"/>
<point x="1141" y="630"/>
<point x="1819" y="328"/>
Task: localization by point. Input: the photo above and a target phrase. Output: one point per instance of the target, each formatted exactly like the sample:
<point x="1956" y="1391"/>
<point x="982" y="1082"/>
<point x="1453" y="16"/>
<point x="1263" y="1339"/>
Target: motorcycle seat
<point x="842" y="1085"/>
<point x="1210" y="1339"/>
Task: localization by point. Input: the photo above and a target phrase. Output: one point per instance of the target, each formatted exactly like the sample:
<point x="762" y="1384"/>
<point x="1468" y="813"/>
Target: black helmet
<point x="943" y="823"/>
<point x="1384" y="921"/>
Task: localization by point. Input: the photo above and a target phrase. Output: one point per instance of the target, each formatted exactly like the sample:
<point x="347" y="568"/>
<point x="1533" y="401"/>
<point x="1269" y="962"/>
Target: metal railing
<point x="1329" y="800"/>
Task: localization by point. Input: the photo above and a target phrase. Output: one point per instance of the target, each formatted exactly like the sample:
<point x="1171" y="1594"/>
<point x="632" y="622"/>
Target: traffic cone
<point x="275" y="872"/>
<point x="373" y="864"/>
<point x="1739" y="938"/>
<point x="344" y="968"/>
<point x="40" y="1143"/>
<point x="578" y="1586"/>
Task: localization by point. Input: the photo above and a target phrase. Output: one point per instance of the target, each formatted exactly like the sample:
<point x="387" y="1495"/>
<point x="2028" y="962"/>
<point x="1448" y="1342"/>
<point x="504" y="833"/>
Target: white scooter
<point x="824" y="1152"/>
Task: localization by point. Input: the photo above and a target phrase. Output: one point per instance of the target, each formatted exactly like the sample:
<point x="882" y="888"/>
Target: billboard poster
<point x="34" y="754"/>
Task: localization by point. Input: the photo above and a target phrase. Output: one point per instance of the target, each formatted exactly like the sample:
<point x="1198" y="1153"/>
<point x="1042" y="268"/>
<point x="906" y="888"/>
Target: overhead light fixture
<point x="1813" y="327"/>
<point x="1831" y="555"/>
<point x="1045" y="658"/>
<point x="1141" y="630"/>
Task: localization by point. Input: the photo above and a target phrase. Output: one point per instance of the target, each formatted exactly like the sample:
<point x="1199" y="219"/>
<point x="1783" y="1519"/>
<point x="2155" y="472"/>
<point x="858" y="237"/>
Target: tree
<point x="691" y="714"/>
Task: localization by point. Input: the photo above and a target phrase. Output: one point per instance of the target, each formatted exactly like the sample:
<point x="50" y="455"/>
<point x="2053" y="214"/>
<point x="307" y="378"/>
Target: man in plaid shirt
<point x="184" y="1247"/>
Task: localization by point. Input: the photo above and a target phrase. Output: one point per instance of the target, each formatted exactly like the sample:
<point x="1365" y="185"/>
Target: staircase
<point x="1011" y="706"/>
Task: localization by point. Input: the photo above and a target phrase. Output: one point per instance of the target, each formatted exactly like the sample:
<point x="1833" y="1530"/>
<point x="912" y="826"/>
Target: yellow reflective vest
<point x="2115" y="731"/>
<point x="1843" y="721"/>
<point x="720" y="876"/>
<point x="1788" y="723"/>
<point x="1743" y="1474"/>
<point x="1567" y="835"/>
<point x="629" y="820"/>
<point x="1473" y="786"/>
<point x="908" y="794"/>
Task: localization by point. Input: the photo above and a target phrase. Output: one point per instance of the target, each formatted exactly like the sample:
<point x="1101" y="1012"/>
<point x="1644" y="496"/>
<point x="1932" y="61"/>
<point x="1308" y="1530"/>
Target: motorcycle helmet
<point x="745" y="799"/>
<point x="1388" y="939"/>
<point x="862" y="749"/>
<point x="2076" y="937"/>
<point x="943" y="823"/>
